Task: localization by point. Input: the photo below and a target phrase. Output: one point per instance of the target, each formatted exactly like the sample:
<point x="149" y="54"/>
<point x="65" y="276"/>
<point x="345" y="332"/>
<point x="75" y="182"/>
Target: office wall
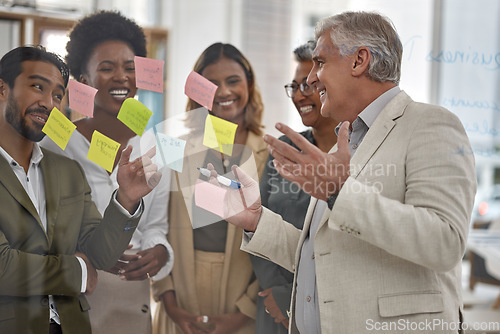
<point x="266" y="43"/>
<point x="194" y="25"/>
<point x="450" y="55"/>
<point x="469" y="60"/>
<point x="259" y="28"/>
<point x="10" y="35"/>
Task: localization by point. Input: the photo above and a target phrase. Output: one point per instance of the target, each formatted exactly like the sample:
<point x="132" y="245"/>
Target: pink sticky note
<point x="81" y="97"/>
<point x="149" y="74"/>
<point x="200" y="90"/>
<point x="209" y="197"/>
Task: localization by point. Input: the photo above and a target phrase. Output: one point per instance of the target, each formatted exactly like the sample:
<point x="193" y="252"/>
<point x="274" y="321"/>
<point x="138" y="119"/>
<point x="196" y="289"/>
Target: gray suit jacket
<point x="35" y="263"/>
<point x="287" y="199"/>
<point x="388" y="255"/>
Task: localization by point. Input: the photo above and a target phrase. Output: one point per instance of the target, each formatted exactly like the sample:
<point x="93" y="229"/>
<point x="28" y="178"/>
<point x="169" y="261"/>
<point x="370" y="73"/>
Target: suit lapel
<point x="51" y="183"/>
<point x="305" y="228"/>
<point x="377" y="133"/>
<point x="374" y="138"/>
<point x="228" y="253"/>
<point x="259" y="149"/>
<point x="194" y="157"/>
<point x="10" y="181"/>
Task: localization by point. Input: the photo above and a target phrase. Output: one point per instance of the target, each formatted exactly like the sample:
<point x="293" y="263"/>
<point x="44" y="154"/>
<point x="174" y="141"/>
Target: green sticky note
<point x="103" y="151"/>
<point x="59" y="128"/>
<point x="219" y="134"/>
<point x="135" y="115"/>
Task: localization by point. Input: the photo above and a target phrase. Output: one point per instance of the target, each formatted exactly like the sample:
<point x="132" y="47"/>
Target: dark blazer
<point x="288" y="200"/>
<point x="35" y="263"/>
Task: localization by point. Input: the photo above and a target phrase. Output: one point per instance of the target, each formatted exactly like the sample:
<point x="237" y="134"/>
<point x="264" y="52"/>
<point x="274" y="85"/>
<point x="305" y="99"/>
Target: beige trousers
<point x="208" y="268"/>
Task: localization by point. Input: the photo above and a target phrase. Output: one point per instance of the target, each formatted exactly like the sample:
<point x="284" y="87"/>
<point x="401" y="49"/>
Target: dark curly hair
<point x="10" y="64"/>
<point x="254" y="108"/>
<point x="100" y="27"/>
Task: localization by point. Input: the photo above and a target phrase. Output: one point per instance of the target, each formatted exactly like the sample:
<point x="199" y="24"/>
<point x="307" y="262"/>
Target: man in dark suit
<point x="51" y="234"/>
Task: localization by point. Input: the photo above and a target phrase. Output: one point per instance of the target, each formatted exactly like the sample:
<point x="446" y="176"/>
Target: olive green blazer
<point x="35" y="264"/>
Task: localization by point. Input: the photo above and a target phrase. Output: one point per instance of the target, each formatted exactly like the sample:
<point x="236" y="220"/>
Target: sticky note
<point x="210" y="197"/>
<point x="135" y="115"/>
<point x="81" y="98"/>
<point x="103" y="151"/>
<point x="171" y="152"/>
<point x="59" y="128"/>
<point x="149" y="74"/>
<point x="201" y="90"/>
<point x="219" y="134"/>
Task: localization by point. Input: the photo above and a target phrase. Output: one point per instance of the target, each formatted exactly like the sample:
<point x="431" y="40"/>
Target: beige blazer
<point x="388" y="256"/>
<point x="241" y="294"/>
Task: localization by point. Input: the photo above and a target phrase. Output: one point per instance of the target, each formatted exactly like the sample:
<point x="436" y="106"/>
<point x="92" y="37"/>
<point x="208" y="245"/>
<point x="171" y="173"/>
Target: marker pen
<point x="222" y="179"/>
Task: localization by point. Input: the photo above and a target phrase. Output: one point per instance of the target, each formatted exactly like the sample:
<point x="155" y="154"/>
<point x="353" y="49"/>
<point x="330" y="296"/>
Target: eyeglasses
<point x="305" y="89"/>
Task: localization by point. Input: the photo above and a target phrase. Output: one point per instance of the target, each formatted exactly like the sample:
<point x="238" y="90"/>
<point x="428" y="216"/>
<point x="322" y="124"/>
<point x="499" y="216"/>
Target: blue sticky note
<point x="171" y="151"/>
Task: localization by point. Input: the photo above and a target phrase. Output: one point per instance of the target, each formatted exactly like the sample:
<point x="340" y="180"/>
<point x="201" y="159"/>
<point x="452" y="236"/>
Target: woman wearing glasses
<point x="287" y="199"/>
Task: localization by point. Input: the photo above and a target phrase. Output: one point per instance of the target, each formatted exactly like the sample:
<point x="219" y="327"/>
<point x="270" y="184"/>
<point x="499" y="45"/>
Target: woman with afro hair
<point x="101" y="54"/>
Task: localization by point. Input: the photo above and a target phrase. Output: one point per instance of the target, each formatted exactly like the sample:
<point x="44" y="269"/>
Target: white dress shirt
<point x="153" y="226"/>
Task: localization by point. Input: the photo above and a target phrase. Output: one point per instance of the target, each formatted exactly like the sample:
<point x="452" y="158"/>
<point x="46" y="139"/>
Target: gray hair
<point x="304" y="52"/>
<point x="352" y="30"/>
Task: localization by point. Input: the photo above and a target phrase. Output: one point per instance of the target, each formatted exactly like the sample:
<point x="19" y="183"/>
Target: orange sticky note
<point x="149" y="74"/>
<point x="210" y="197"/>
<point x="135" y="115"/>
<point x="219" y="134"/>
<point x="81" y="97"/>
<point x="200" y="90"/>
<point x="103" y="151"/>
<point x="59" y="128"/>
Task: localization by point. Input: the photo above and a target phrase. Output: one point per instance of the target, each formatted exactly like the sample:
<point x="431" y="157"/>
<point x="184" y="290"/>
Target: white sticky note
<point x="170" y="152"/>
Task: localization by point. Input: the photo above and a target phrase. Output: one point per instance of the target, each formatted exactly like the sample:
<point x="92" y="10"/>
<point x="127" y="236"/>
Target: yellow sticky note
<point x="135" y="115"/>
<point x="219" y="134"/>
<point x="103" y="151"/>
<point x="59" y="128"/>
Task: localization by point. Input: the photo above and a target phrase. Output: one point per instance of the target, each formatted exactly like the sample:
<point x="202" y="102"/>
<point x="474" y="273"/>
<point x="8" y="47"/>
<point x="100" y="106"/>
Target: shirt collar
<point x="370" y="113"/>
<point x="36" y="155"/>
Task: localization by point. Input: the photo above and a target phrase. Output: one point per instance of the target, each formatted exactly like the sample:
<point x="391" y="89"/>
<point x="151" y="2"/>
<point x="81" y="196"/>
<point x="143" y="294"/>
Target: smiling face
<point x="231" y="96"/>
<point x="308" y="106"/>
<point x="111" y="70"/>
<point x="332" y="76"/>
<point x="36" y="91"/>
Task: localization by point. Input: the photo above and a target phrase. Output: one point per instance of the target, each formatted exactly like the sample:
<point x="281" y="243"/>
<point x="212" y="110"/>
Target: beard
<point x="13" y="117"/>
